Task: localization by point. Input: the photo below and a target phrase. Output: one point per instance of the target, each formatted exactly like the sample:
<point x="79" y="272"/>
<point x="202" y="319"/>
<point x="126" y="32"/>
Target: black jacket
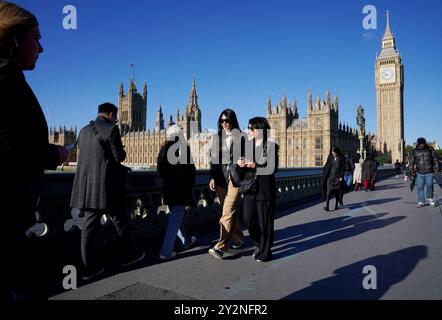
<point x="266" y="183"/>
<point x="94" y="186"/>
<point x="340" y="170"/>
<point x="425" y="159"/>
<point x="178" y="179"/>
<point x="24" y="148"/>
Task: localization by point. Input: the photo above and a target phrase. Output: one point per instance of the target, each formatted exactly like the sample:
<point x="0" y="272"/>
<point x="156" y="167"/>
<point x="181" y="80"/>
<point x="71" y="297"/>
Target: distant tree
<point x="408" y="149"/>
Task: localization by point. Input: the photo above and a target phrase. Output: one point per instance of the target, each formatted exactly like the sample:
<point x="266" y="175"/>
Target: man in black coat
<point x="97" y="189"/>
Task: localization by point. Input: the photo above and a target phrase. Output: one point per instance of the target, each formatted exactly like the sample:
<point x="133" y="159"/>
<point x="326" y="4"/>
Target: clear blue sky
<point x="240" y="51"/>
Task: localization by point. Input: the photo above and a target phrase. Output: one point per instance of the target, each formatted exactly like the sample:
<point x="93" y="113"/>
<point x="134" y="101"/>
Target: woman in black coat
<point x="24" y="151"/>
<point x="332" y="176"/>
<point x="178" y="173"/>
<point x="260" y="199"/>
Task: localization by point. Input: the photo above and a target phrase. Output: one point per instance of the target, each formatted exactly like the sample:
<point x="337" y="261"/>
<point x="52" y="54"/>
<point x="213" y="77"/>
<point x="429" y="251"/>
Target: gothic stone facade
<point x="306" y="142"/>
<point x="64" y="137"/>
<point x="142" y="146"/>
<point x="303" y="142"/>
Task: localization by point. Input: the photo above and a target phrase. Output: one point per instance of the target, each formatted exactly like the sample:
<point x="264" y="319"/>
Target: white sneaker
<point x="432" y="202"/>
<point x="420" y="204"/>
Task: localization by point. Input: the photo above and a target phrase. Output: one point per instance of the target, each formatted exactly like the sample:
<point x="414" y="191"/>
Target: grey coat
<point x="92" y="188"/>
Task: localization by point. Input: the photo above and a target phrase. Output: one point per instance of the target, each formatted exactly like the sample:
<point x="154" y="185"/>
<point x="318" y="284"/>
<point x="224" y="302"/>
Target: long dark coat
<point x="367" y="169"/>
<point x="24" y="148"/>
<point x="340" y="170"/>
<point x="93" y="183"/>
<point x="24" y="155"/>
<point x="178" y="179"/>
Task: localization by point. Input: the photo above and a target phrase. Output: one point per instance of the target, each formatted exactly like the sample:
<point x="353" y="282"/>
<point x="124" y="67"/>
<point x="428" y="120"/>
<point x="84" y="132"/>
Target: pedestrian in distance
<point x="332" y="177"/>
<point x="357" y="174"/>
<point x="424" y="164"/>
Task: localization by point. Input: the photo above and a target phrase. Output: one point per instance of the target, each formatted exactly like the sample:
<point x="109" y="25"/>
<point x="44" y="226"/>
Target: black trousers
<point x="24" y="271"/>
<point x="338" y="195"/>
<point x="92" y="238"/>
<point x="259" y="219"/>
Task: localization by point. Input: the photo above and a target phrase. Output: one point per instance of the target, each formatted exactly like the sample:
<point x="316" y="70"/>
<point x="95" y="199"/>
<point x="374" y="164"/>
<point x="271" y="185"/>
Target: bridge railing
<point x="148" y="215"/>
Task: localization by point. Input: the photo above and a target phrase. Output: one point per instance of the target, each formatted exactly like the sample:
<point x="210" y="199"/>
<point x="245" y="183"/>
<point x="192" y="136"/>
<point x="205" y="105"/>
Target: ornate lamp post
<point x="360" y="120"/>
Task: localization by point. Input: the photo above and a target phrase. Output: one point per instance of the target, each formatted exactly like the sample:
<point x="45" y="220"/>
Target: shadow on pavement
<point x="347" y="283"/>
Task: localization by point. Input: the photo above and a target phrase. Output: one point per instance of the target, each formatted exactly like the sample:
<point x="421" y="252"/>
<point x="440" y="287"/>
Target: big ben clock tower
<point x="390" y="98"/>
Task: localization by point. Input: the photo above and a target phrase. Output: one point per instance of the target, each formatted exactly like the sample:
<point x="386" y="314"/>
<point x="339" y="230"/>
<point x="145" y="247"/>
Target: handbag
<point x="249" y="185"/>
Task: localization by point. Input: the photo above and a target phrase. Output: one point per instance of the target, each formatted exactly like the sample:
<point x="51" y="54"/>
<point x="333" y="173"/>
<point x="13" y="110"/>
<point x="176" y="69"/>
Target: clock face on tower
<point x="387" y="75"/>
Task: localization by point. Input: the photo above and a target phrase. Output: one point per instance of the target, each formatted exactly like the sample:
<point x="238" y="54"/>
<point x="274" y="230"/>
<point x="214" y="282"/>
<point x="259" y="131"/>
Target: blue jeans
<point x="423" y="179"/>
<point x="175" y="227"/>
<point x="348" y="179"/>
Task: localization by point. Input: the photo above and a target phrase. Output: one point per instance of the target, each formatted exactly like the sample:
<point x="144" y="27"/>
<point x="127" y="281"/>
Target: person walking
<point x="424" y="163"/>
<point x="397" y="168"/>
<point x="99" y="188"/>
<point x="357" y="174"/>
<point x="21" y="271"/>
<point x="260" y="198"/>
<point x="178" y="172"/>
<point x="223" y="156"/>
<point x="348" y="173"/>
<point x="332" y="176"/>
<point x="368" y="173"/>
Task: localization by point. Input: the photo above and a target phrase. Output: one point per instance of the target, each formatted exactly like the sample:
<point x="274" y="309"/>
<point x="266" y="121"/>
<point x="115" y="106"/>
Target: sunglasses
<point x="225" y="121"/>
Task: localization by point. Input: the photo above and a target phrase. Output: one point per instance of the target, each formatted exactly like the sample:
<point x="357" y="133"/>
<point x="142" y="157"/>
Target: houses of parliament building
<point x="303" y="142"/>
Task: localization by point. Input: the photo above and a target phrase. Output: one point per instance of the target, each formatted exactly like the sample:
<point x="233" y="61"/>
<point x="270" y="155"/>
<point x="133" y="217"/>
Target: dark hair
<point x="260" y="123"/>
<point x="231" y="115"/>
<point x="337" y="150"/>
<point x="107" y="108"/>
<point x="421" y="141"/>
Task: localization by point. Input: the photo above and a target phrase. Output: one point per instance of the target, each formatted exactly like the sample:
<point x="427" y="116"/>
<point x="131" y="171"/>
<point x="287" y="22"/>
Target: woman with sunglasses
<point x="260" y="200"/>
<point x="223" y="155"/>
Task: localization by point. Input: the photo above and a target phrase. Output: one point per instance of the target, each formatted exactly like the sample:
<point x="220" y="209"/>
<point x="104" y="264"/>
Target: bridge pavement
<point x="317" y="255"/>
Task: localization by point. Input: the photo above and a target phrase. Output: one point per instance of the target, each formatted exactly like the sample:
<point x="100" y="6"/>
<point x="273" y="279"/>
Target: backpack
<point x="349" y="166"/>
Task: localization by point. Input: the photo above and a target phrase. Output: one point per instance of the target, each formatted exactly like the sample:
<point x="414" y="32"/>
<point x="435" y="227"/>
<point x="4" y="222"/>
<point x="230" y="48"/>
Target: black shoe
<point x="326" y="209"/>
<point x="91" y="275"/>
<point x="133" y="260"/>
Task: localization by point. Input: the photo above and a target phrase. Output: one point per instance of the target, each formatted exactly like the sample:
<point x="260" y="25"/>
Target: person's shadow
<point x="320" y="233"/>
<point x="382" y="272"/>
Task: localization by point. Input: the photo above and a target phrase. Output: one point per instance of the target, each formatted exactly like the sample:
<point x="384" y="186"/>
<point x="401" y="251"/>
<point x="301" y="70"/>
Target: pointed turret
<point x="388" y="41"/>
<point x="284" y="104"/>
<point x="159" y="121"/>
<point x="193" y="98"/>
<point x="335" y="102"/>
<point x="327" y="99"/>
<point x="121" y="93"/>
<point x="388" y="33"/>
<point x="295" y="108"/>
<point x="309" y="100"/>
<point x="269" y="105"/>
<point x="171" y="122"/>
<point x="145" y="90"/>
